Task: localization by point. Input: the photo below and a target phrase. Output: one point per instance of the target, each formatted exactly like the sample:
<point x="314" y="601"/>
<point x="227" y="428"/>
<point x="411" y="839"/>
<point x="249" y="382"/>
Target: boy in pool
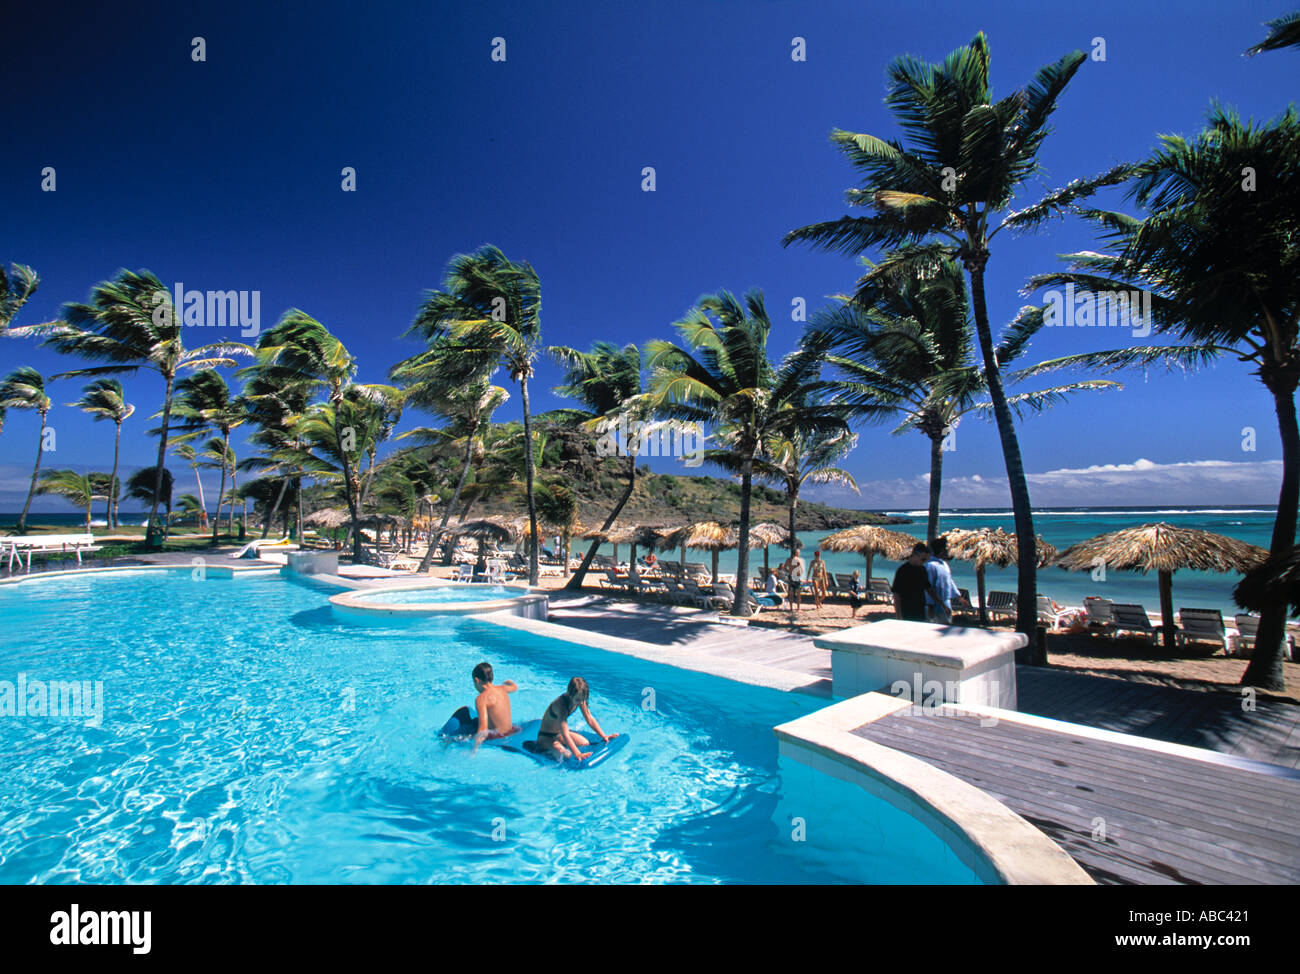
<point x="554" y="737"/>
<point x="492" y="706"/>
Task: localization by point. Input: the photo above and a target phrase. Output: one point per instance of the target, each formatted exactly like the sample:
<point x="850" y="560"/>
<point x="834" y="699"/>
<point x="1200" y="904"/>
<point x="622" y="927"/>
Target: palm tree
<point x="15" y="288"/>
<point x="24" y="388"/>
<point x="437" y="380"/>
<point x="105" y="399"/>
<point x="1222" y="270"/>
<point x="300" y="350"/>
<point x="946" y="193"/>
<point x="1282" y="32"/>
<point x="558" y="508"/>
<point x="186" y="452"/>
<point x="187" y="505"/>
<point x="799" y="456"/>
<point x="276" y="410"/>
<point x="145" y="485"/>
<point x="81" y="489"/>
<point x="491" y="307"/>
<point x="721" y="377"/>
<point x="217" y="455"/>
<point x="607" y="381"/>
<point x="904" y="347"/>
<point x="130" y="323"/>
<point x="203" y="403"/>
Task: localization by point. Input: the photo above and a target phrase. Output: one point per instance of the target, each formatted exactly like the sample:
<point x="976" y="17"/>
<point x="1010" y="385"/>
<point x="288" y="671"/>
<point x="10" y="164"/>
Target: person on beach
<point x="770" y="597"/>
<point x="943" y="590"/>
<point x="855" y="594"/>
<point x="794" y="579"/>
<point x="818" y="575"/>
<point x="911" y="583"/>
<point x="554" y="738"/>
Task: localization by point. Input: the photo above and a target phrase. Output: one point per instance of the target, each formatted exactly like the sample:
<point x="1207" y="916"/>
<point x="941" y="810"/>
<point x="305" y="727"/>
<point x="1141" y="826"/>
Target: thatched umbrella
<point x="768" y="533"/>
<point x="703" y="536"/>
<point x="329" y="517"/>
<point x="616" y="535"/>
<point x="871" y="540"/>
<point x="491" y="529"/>
<point x="991" y="546"/>
<point x="1166" y="549"/>
<point x="1276" y="580"/>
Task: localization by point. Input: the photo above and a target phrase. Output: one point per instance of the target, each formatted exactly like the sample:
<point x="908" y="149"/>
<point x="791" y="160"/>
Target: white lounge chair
<point x="1130" y="617"/>
<point x="1243" y="644"/>
<point x="1001" y="604"/>
<point x="1101" y="614"/>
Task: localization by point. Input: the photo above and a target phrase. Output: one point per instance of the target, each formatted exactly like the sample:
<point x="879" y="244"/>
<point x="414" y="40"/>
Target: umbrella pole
<point x="1167" y="608"/>
<point x="615" y="554"/>
<point x="715" y="566"/>
<point x="979" y="584"/>
<point x="682" y="560"/>
<point x="766" y="569"/>
<point x="870" y="555"/>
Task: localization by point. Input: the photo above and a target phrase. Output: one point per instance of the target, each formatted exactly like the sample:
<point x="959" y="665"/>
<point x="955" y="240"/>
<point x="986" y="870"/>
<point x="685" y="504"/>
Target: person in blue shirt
<point x="942" y="590"/>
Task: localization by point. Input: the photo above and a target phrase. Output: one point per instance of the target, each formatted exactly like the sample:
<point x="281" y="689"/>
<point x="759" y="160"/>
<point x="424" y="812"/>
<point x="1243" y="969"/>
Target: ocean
<point x="1061" y="526"/>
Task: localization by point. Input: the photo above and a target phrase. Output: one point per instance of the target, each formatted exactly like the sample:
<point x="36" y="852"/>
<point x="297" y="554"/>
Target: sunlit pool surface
<point x="440" y="594"/>
<point x="250" y="734"/>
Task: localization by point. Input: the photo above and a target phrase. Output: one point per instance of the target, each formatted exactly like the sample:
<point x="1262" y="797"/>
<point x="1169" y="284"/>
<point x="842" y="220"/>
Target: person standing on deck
<point x="943" y="590"/>
<point x="911" y="583"/>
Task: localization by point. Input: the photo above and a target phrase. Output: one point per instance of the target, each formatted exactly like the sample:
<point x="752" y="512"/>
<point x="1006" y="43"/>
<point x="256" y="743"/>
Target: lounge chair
<point x="841" y="584"/>
<point x="1202" y="625"/>
<point x="1101" y="614"/>
<point x="1130" y="617"/>
<point x="1048" y="615"/>
<point x="1001" y="604"/>
<point x="462" y="573"/>
<point x="1244" y="642"/>
<point x="614" y="580"/>
<point x="879" y="590"/>
<point x="971" y="611"/>
<point x="724" y="596"/>
<point x="696" y="595"/>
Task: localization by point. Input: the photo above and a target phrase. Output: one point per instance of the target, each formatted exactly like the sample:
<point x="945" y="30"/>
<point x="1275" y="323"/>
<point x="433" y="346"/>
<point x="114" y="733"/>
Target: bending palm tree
<point x="607" y="381"/>
<point x="81" y="489"/>
<point x="721" y="377"/>
<point x="944" y="194"/>
<point x="104" y="399"/>
<point x="1222" y="270"/>
<point x="15" y="288"/>
<point x="130" y="323"/>
<point x="300" y="350"/>
<point x="203" y="403"/>
<point x="905" y="347"/>
<point x="186" y="453"/>
<point x="436" y="380"/>
<point x="24" y="388"/>
<point x="797" y="457"/>
<point x="490" y="307"/>
<point x="1283" y="32"/>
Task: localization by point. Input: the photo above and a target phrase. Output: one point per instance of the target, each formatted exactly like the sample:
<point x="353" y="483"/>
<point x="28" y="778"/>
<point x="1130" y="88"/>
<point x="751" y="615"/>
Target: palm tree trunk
<point x="112" y="481"/>
<point x="162" y="458"/>
<point x="203" y="506"/>
<point x="234" y="493"/>
<point x="426" y="563"/>
<point x="1027" y="565"/>
<point x="741" y="606"/>
<point x="979" y="586"/>
<point x="40" y="447"/>
<point x="1265" y="669"/>
<point x="936" y="486"/>
<point x="349" y="488"/>
<point x="221" y="496"/>
<point x="279" y="499"/>
<point x="793" y="495"/>
<point x="575" y="583"/>
<point x="528" y="483"/>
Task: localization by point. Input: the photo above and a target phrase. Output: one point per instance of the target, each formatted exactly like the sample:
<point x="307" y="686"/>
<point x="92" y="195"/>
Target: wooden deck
<point x="1167" y="819"/>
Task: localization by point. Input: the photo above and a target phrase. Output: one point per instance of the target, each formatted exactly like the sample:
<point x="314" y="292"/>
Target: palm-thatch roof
<point x="489" y="529"/>
<point x="994" y="546"/>
<point x="1275" y="581"/>
<point x="767" y="533"/>
<point x="329" y="517"/>
<point x="1163" y="548"/>
<point x="702" y="535"/>
<point x="871" y="539"/>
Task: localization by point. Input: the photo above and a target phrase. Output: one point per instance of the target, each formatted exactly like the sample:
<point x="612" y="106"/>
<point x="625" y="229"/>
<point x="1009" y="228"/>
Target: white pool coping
<point x="360" y="601"/>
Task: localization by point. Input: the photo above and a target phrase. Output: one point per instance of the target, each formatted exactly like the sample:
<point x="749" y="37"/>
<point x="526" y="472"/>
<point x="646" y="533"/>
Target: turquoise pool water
<point x="437" y="595"/>
<point x="248" y="734"/>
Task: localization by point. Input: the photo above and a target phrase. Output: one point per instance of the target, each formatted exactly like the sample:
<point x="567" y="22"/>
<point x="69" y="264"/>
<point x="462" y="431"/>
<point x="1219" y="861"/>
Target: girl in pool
<point x="554" y="737"/>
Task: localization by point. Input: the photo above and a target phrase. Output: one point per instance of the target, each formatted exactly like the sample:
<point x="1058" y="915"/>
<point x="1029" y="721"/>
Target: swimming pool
<point x="250" y="734"/>
<point x="434" y="594"/>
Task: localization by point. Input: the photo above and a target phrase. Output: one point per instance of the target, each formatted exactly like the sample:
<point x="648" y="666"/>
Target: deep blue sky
<point x="226" y="174"/>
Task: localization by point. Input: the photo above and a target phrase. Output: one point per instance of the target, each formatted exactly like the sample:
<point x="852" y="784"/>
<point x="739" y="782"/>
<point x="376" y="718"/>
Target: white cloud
<point x="1139" y="482"/>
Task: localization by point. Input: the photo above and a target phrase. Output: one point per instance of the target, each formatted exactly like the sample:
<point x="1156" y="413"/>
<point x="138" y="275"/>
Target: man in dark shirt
<point x="911" y="582"/>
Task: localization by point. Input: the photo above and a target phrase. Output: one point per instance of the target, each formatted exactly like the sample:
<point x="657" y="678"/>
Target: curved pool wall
<point x="403" y="600"/>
